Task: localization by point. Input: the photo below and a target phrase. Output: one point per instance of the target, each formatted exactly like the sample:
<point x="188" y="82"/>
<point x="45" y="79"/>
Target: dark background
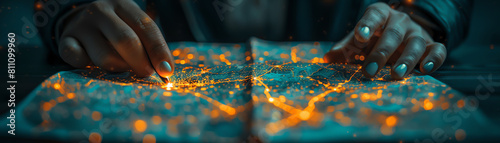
<point x="478" y="56"/>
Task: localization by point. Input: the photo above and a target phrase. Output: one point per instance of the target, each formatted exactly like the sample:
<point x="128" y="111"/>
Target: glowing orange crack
<point x="302" y="115"/>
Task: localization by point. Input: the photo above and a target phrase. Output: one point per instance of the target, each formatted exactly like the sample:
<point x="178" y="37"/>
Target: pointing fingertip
<point x="165" y="69"/>
<point x="166" y="79"/>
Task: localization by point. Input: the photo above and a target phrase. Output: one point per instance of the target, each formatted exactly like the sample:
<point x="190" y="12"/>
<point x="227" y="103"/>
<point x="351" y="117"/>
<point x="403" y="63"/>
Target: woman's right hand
<point x="115" y="35"/>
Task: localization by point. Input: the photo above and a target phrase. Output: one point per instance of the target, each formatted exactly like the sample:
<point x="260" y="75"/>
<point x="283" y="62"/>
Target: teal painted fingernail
<point x="165" y="67"/>
<point x="364" y="32"/>
<point x="429" y="66"/>
<point x="371" y="68"/>
<point x="401" y="70"/>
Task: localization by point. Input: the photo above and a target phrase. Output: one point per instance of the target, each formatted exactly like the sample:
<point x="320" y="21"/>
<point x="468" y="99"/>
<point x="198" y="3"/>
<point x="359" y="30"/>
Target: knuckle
<point x="418" y="39"/>
<point x="440" y="46"/>
<point x="403" y="16"/>
<point x="128" y="38"/>
<point x="145" y="22"/>
<point x="410" y="59"/>
<point x="440" y="52"/>
<point x="395" y="32"/>
<point x="124" y="4"/>
<point x="377" y="10"/>
<point x="97" y="6"/>
<point x="367" y="21"/>
<point x="383" y="52"/>
<point x="158" y="48"/>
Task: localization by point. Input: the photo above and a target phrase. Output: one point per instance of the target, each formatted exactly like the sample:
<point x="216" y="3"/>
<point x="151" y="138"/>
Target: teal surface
<point x="260" y="90"/>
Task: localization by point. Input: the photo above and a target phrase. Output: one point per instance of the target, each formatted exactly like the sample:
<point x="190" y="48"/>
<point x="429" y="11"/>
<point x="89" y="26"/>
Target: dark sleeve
<point x="446" y="20"/>
<point x="54" y="10"/>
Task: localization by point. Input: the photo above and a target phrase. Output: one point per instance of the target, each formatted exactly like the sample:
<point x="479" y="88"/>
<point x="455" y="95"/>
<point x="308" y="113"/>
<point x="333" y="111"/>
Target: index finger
<point x="374" y="18"/>
<point x="150" y="35"/>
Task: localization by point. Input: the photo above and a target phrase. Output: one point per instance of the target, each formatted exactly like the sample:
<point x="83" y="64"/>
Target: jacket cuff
<point x="48" y="32"/>
<point x="447" y="20"/>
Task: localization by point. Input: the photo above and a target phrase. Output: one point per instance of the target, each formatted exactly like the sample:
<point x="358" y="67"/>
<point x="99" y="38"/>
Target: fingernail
<point x="371" y="68"/>
<point x="165" y="67"/>
<point x="401" y="70"/>
<point x="429" y="66"/>
<point x="364" y="32"/>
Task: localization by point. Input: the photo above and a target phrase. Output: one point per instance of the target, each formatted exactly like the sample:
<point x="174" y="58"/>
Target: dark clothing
<point x="284" y="20"/>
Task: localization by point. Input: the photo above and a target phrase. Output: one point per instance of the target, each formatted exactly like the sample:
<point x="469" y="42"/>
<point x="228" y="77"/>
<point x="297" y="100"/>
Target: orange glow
<point x="169" y="86"/>
<point x="271" y="100"/>
<point x="140" y="126"/>
<point x="460" y="135"/>
<point x="314" y="51"/>
<point x="214" y="114"/>
<point x="460" y="103"/>
<point x="391" y="121"/>
<point x="190" y="56"/>
<point x="445" y="105"/>
<point x="304" y="115"/>
<point x="70" y="95"/>
<point x="168" y="105"/>
<point x="46" y="106"/>
<point x="176" y="52"/>
<point x="95" y="137"/>
<point x="428" y="105"/>
<point x="284" y="56"/>
<point x="222" y="57"/>
<point x="282" y="98"/>
<point x="149" y="138"/>
<point x="60" y="99"/>
<point x="96" y="116"/>
<point x="167" y="93"/>
<point x="354" y="96"/>
<point x="38" y="6"/>
<point x="156" y="120"/>
<point x="431" y="94"/>
<point x="57" y="86"/>
<point x="385" y="130"/>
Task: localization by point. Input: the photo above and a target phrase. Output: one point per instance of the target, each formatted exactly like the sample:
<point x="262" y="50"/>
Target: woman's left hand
<point x="387" y="36"/>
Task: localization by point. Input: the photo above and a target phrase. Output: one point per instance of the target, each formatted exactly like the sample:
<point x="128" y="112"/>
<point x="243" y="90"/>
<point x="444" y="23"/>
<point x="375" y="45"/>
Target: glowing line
<point x="292" y="119"/>
<point x="226" y="108"/>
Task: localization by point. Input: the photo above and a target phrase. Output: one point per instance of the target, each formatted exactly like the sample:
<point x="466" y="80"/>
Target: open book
<point x="260" y="90"/>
